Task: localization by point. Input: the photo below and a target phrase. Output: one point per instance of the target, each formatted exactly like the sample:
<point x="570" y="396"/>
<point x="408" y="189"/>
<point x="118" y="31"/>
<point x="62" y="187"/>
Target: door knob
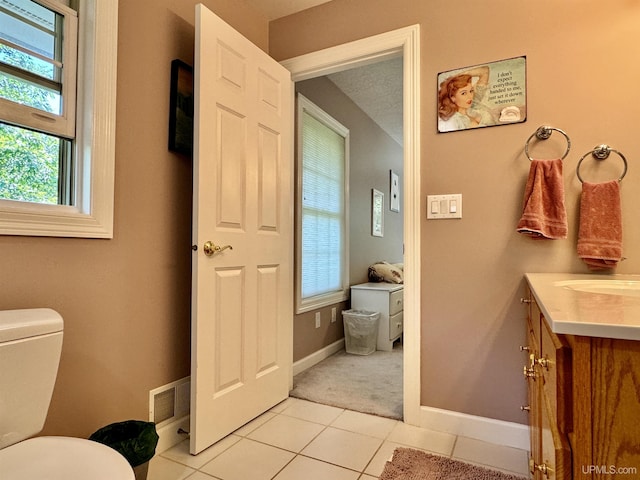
<point x="211" y="249"/>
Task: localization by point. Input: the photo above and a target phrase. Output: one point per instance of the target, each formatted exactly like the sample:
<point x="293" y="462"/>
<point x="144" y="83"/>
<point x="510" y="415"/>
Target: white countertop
<point x="589" y="304"/>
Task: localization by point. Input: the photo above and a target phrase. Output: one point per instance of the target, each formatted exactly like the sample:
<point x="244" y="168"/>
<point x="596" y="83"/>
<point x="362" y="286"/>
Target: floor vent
<point x="169" y="402"/>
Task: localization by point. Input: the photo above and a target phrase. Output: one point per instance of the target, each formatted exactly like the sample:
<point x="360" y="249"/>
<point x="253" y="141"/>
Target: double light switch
<point x="444" y="206"/>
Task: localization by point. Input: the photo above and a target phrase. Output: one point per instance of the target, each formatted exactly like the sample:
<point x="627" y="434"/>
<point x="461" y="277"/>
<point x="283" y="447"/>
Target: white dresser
<point x="386" y="299"/>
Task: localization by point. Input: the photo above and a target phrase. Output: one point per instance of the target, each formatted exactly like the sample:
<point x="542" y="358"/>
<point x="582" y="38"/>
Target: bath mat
<point x="410" y="464"/>
<point x="363" y="383"/>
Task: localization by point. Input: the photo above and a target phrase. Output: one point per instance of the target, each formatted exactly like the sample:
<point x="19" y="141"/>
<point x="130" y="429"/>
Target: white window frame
<point x="92" y="216"/>
<point x="323" y="300"/>
<point x="62" y="125"/>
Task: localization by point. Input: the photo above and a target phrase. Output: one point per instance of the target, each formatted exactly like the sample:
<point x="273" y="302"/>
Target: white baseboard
<point x="316" y="357"/>
<point x="499" y="432"/>
<point x="169" y="433"/>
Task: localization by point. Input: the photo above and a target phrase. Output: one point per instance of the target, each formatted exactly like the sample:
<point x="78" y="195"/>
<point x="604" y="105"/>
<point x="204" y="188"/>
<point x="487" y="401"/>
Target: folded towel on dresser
<point x="600" y="232"/>
<point x="543" y="214"/>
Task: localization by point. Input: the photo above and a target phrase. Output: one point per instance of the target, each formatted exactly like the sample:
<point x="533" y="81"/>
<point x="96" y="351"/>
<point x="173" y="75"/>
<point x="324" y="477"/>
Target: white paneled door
<point x="242" y="227"/>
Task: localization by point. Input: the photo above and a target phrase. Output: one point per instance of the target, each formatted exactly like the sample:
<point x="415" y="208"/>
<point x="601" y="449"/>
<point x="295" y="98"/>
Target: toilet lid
<point x="63" y="458"/>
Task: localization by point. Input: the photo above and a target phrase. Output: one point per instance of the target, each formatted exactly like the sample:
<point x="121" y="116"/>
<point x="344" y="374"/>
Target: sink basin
<point x="626" y="288"/>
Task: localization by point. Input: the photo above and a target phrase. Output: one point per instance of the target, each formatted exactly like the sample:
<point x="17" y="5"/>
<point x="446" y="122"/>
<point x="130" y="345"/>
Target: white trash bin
<point x="360" y="331"/>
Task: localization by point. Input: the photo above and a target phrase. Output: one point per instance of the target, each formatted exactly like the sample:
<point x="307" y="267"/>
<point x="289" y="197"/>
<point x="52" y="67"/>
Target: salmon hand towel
<point x="600" y="232"/>
<point x="543" y="214"/>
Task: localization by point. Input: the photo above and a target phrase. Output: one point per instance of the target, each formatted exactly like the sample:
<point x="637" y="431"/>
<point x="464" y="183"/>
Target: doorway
<point x="403" y="42"/>
<point x="366" y="102"/>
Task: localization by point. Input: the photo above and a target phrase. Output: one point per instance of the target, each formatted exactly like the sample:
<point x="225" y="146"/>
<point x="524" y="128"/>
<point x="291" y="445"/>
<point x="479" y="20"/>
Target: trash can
<point x="135" y="440"/>
<point x="360" y="331"/>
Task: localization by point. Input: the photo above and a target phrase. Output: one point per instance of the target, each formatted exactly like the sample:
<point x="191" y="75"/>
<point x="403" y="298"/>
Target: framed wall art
<point x="377" y="213"/>
<point x="483" y="95"/>
<point x="181" y="108"/>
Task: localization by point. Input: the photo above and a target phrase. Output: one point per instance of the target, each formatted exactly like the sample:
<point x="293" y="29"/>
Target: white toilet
<point x="30" y="347"/>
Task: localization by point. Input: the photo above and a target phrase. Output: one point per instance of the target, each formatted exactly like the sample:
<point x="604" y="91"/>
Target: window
<point x="57" y="109"/>
<point x="322" y="199"/>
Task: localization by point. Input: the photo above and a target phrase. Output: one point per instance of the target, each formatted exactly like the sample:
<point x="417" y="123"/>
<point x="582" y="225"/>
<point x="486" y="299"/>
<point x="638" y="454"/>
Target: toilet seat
<point x="63" y="458"/>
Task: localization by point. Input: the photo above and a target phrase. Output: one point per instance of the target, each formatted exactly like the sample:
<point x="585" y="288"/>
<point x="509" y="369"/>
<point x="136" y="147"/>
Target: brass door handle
<point x="211" y="249"/>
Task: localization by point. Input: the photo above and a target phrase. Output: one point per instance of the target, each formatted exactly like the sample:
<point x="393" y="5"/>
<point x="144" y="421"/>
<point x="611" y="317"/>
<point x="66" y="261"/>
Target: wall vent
<point x="170" y="402"/>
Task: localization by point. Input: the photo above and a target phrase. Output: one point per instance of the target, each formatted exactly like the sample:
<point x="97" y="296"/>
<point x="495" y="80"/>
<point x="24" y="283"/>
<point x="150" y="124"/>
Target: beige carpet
<point x="409" y="464"/>
<point x="363" y="383"/>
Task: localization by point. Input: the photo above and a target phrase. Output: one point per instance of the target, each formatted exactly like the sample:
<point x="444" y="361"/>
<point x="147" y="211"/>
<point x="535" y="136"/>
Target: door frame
<point x="403" y="42"/>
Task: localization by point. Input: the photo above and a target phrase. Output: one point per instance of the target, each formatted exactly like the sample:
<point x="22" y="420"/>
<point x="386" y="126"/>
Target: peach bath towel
<point x="600" y="233"/>
<point x="543" y="214"/>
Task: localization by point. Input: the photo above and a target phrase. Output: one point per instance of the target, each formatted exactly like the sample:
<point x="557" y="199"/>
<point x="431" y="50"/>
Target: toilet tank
<point x="30" y="347"/>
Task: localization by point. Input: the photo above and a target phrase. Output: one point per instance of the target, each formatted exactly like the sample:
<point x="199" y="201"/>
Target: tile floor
<point x="300" y="440"/>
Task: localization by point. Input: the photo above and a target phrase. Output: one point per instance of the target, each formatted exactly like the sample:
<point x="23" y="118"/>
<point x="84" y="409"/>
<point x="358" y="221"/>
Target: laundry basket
<point x="360" y="331"/>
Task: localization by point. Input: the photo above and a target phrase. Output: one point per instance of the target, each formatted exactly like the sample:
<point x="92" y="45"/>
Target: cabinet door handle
<point x="524" y="349"/>
<point x="525" y="300"/>
<point x="525" y="408"/>
<point x="529" y="372"/>
<point x="543" y="362"/>
<point x="543" y="468"/>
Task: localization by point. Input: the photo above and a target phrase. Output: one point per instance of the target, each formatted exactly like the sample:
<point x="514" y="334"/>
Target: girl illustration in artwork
<point x="459" y="101"/>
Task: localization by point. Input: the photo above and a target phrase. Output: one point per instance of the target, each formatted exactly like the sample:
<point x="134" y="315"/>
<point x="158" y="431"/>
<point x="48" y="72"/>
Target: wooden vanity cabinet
<point x="549" y="360"/>
<point x="584" y="411"/>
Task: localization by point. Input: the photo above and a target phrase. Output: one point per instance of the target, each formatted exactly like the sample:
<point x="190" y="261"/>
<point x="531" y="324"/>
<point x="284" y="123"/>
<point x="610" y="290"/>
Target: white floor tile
<point x="180" y="453"/>
<point x="200" y="476"/>
<point x="310" y="469"/>
<point x="284" y="405"/>
<point x="347" y="449"/>
<point x="313" y="412"/>
<point x="248" y="460"/>
<point x="285" y="432"/>
<point x="380" y="459"/>
<point x="251" y="426"/>
<point x="333" y="444"/>
<point x="365" y="424"/>
<point x="431" y="441"/>
<point x="490" y="455"/>
<point x="161" y="468"/>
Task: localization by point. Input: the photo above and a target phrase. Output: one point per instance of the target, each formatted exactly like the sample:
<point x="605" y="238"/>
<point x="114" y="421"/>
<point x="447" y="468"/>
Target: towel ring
<point x="543" y="133"/>
<point x="601" y="152"/>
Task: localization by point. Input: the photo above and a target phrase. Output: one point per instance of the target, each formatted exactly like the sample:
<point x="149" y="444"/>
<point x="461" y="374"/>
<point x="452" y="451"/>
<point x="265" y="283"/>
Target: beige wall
<point x="372" y="154"/>
<point x="581" y="77"/>
<point x="126" y="301"/>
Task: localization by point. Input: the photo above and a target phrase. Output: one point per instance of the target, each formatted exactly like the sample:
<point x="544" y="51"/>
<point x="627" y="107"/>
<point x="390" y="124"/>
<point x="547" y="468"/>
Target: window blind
<point x="323" y="208"/>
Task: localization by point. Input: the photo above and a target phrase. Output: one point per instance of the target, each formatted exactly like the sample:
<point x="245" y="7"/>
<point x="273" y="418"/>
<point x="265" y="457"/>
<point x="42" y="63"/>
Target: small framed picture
<point x="377" y="213"/>
<point x="394" y="192"/>
<point x="181" y="108"/>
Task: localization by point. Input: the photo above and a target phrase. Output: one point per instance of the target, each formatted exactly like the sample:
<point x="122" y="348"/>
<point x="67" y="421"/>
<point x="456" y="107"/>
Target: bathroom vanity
<point x="583" y="375"/>
<point x="385" y="298"/>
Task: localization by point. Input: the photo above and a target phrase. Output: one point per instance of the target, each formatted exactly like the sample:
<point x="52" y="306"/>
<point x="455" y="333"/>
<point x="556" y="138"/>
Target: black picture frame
<point x="181" y="108"/>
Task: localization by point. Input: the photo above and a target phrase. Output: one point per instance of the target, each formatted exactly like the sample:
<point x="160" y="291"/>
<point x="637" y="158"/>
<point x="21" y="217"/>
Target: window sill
<point x="320" y="301"/>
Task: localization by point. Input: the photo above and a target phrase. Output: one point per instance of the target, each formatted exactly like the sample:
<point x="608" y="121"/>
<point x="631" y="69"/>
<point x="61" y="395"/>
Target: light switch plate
<point x="444" y="206"/>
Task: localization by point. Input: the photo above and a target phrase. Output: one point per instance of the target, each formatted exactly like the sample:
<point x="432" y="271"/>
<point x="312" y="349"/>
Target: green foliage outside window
<point x="29" y="161"/>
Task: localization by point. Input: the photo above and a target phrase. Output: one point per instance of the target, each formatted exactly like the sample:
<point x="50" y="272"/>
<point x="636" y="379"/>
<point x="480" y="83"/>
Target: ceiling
<point x="375" y="88"/>
<point x="273" y="9"/>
